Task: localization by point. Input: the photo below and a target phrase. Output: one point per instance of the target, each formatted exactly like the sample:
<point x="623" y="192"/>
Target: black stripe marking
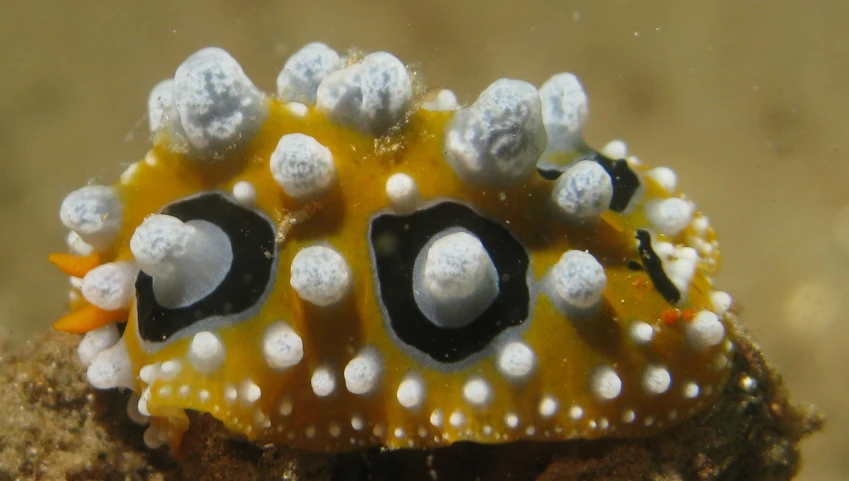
<point x="654" y="268"/>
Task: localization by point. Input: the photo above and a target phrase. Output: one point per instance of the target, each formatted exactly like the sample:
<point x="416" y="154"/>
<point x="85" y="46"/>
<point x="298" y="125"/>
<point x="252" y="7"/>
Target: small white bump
<point x="379" y="430"/>
<point x="231" y="394"/>
<point x="615" y="149"/>
<point x="436" y="418"/>
<point x="576" y="412"/>
<point x="516" y="360"/>
<point x="285" y="406"/>
<point x="691" y="390"/>
<point x="665" y="177"/>
<point x="111" y="368"/>
<point x="204" y="396"/>
<point x="357" y="423"/>
<point x="701" y="225"/>
<point x="456" y="280"/>
<point x="577" y="280"/>
<point x="169" y="369"/>
<point x="206" y="352"/>
<point x="282" y="347"/>
<point x="76" y="245"/>
<point x="133" y="411"/>
<point x="530" y="430"/>
<point x="548" y="407"/>
<point x="641" y="333"/>
<point x="165" y="391"/>
<point x="94" y="213"/>
<point x="477" y="392"/>
<point x="669" y="216"/>
<point x="363" y="372"/>
<point x="402" y="192"/>
<point x="721" y="302"/>
<point x="440" y="100"/>
<point x="511" y="420"/>
<point x="335" y="430"/>
<point x="304" y="71"/>
<point x="606" y="384"/>
<point x="747" y="384"/>
<point x="422" y="432"/>
<point x="648" y="421"/>
<point x="298" y="109"/>
<point x="628" y="416"/>
<point x="410" y="392"/>
<point x="110" y="286"/>
<point x="372" y="95"/>
<point x="320" y="275"/>
<point x="656" y="380"/>
<point x="249" y="392"/>
<point x="245" y="193"/>
<point x="160" y="104"/>
<point x="96" y="341"/>
<point x="399" y="433"/>
<point x="498" y="140"/>
<point x="583" y="192"/>
<point x="310" y="432"/>
<point x="457" y="419"/>
<point x="143" y="400"/>
<point x="184" y="391"/>
<point x="603" y="424"/>
<point x="704" y="331"/>
<point x="302" y="167"/>
<point x="323" y="382"/>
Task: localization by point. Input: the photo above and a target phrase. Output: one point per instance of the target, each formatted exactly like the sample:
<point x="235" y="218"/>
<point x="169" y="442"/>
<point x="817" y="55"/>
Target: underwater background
<point x="747" y="100"/>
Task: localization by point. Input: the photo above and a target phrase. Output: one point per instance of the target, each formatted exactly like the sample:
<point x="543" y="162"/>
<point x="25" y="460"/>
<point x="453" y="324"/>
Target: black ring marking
<point x="406" y="236"/>
<point x="654" y="268"/>
<point x="254" y="251"/>
<point x="625" y="181"/>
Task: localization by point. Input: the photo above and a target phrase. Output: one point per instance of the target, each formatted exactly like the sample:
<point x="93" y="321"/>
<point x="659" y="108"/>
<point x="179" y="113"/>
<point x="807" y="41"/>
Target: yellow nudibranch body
<point x="352" y="262"/>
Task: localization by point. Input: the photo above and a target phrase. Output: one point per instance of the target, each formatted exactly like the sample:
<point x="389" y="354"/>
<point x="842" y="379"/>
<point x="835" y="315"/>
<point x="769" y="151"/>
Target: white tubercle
<point x="410" y="392"/>
<point x="160" y="104"/>
<point x="656" y="380"/>
<point x="372" y="95"/>
<point x="669" y="216"/>
<point x="362" y="373"/>
<point x="282" y="347"/>
<point x="606" y="384"/>
<point x="94" y="213"/>
<point x="477" y="392"/>
<point x="96" y="341"/>
<point x="565" y="110"/>
<point x="206" y="352"/>
<point x="245" y="193"/>
<point x="583" y="192"/>
<point x="323" y="382"/>
<point x="721" y="302"/>
<point x="110" y="286"/>
<point x="76" y="245"/>
<point x="187" y="261"/>
<point x="615" y="149"/>
<point x="304" y="71"/>
<point x="402" y="192"/>
<point x="665" y="177"/>
<point x="440" y="100"/>
<point x="320" y="275"/>
<point x="218" y="105"/>
<point x="516" y="360"/>
<point x="302" y="167"/>
<point x="456" y="281"/>
<point x="704" y="331"/>
<point x="498" y="140"/>
<point x="577" y="281"/>
<point x="111" y="368"/>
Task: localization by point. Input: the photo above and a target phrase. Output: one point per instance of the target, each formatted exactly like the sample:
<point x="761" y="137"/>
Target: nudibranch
<point x="355" y="261"/>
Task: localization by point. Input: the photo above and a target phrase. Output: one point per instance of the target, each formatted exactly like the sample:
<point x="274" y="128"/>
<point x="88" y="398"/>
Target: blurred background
<point x="747" y="100"/>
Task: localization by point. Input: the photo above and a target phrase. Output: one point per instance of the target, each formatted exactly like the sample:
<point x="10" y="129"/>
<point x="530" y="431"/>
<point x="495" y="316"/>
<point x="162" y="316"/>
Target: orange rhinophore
<point x="349" y="263"/>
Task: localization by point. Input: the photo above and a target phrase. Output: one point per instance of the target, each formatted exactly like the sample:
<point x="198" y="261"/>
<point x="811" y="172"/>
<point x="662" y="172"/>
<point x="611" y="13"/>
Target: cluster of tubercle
<point x="352" y="262"/>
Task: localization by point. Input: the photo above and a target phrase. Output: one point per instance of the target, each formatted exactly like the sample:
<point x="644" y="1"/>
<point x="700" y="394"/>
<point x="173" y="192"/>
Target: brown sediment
<point x="53" y="425"/>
